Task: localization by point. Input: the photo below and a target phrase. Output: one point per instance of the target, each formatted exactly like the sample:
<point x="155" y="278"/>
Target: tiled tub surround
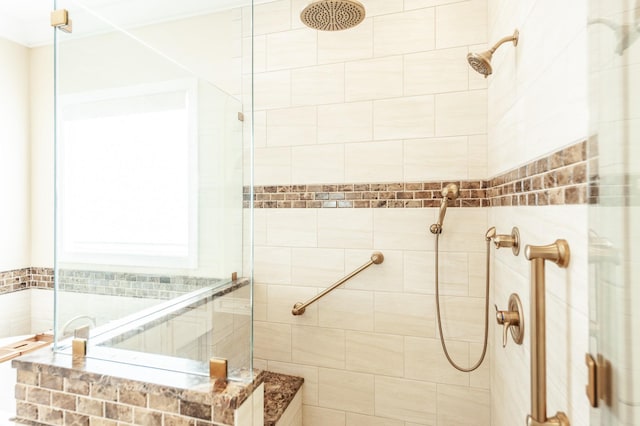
<point x="25" y="278"/>
<point x="558" y="178"/>
<point x="53" y="390"/>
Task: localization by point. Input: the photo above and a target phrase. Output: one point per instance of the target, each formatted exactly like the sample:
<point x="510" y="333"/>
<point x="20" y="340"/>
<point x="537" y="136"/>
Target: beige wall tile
<point x="292" y="228"/>
<point x="387" y="276"/>
<point x="322" y="347"/>
<point x="436" y="71"/>
<point x="404" y="229"/>
<point x="317" y="416"/>
<point x="296" y="8"/>
<point x="419" y="4"/>
<point x="318" y="164"/>
<point x="259" y="302"/>
<point x="461" y="23"/>
<point x="317" y="267"/>
<point x="272" y="90"/>
<point x="407" y="400"/>
<point x="464" y="406"/>
<point x="435" y="159"/>
<point x="347" y="309"/>
<point x="425" y="360"/>
<point x="345" y="228"/>
<point x="291" y="49"/>
<point x="272" y="265"/>
<point x="362" y="420"/>
<point x="373" y="79"/>
<point x="272" y="341"/>
<point x="375" y="353"/>
<point x="344" y="390"/>
<point x="271" y="17"/>
<point x="464" y="228"/>
<point x="280" y="301"/>
<point x="462" y="318"/>
<point x="403" y="118"/>
<point x="259" y="54"/>
<point x="348" y="45"/>
<point x="419" y="273"/>
<point x="480" y="378"/>
<point x="349" y="122"/>
<point x="259" y="129"/>
<point x="390" y="32"/>
<point x="318" y="85"/>
<point x="383" y="7"/>
<point x="374" y="162"/>
<point x="461" y="113"/>
<point x="477" y="155"/>
<point x="404" y="314"/>
<point x="291" y="126"/>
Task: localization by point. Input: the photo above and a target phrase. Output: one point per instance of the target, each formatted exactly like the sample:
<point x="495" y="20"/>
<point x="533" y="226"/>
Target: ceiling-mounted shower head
<point x="481" y="62"/>
<point x="333" y="15"/>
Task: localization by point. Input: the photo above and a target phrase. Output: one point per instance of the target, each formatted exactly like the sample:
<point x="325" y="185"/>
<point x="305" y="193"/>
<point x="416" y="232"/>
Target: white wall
<point x="537" y="105"/>
<point x="14" y="155"/>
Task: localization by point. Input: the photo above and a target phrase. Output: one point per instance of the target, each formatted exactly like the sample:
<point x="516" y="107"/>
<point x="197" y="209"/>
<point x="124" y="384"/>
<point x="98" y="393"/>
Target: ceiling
<point x="27" y="21"/>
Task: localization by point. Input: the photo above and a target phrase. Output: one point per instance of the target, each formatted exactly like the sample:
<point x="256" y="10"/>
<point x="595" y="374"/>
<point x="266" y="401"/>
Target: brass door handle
<point x="511" y="319"/>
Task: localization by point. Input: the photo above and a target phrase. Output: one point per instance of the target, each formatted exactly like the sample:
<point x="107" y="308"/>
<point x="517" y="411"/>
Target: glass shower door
<point x="614" y="235"/>
<point x="149" y="186"/>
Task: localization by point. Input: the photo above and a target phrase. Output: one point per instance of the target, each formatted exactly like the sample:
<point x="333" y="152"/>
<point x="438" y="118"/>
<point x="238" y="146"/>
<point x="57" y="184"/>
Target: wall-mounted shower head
<point x="449" y="192"/>
<point x="333" y="15"/>
<point x="481" y="62"/>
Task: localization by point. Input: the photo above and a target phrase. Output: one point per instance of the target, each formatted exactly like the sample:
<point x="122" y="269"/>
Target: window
<point x="127" y="170"/>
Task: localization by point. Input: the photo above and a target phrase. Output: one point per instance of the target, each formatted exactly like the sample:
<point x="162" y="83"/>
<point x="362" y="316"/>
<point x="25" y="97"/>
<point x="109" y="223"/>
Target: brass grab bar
<point x="299" y="308"/>
<point x="560" y="254"/>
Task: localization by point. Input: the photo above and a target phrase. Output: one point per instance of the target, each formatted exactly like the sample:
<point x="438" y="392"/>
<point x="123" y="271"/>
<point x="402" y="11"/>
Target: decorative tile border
<point x="559" y="178"/>
<point x="25" y="278"/>
<point x="148" y="286"/>
<point x="366" y="195"/>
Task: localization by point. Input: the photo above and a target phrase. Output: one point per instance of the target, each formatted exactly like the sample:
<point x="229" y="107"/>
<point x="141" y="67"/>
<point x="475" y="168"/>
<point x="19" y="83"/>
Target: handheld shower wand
<point x="449" y="192"/>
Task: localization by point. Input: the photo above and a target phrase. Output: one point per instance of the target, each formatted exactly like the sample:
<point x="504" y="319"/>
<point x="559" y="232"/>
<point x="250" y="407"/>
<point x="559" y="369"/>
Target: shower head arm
<point x="514" y="38"/>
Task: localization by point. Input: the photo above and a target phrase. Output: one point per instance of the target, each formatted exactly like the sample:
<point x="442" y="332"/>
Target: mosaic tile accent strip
<point x="25" y="278"/>
<point x="49" y="392"/>
<point x="559" y="178"/>
<point x="367" y="195"/>
<point x="148" y="286"/>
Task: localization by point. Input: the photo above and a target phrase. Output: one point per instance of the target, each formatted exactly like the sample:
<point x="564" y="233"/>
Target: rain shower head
<point x="481" y="62"/>
<point x="333" y="15"/>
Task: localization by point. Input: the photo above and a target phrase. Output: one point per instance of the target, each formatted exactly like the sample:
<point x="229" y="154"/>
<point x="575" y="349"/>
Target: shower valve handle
<point x="508" y="240"/>
<point x="511" y="320"/>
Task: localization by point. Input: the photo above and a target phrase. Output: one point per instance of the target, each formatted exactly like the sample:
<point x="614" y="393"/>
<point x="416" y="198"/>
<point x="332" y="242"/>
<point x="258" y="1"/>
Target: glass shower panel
<point x="614" y="213"/>
<point x="149" y="187"/>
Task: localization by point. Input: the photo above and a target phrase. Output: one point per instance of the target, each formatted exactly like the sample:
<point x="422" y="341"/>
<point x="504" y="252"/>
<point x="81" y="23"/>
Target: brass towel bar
<point x="558" y="253"/>
<point x="299" y="308"/>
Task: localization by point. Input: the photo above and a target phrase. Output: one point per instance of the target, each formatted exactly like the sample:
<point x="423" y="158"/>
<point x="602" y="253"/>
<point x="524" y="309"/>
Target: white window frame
<point x="95" y="253"/>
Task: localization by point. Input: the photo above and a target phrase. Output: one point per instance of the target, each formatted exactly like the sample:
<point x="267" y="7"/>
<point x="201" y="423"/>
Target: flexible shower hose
<point x="486" y="314"/>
